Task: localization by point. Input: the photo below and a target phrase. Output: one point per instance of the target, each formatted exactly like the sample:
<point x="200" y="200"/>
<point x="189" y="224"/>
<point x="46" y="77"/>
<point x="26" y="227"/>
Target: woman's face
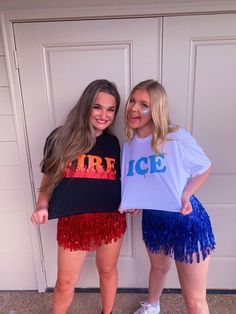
<point x="139" y="113"/>
<point x="103" y="112"/>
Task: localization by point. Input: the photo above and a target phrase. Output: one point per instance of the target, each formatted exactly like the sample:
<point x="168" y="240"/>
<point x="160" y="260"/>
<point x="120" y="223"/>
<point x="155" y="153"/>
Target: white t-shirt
<point x="151" y="181"/>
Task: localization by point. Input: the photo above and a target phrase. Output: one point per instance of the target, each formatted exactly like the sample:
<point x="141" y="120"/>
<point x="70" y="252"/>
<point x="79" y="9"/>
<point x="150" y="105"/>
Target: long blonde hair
<point x="76" y="136"/>
<point x="159" y="113"/>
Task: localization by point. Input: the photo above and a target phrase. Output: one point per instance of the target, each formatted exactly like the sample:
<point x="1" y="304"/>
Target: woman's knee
<point x="160" y="266"/>
<point x="160" y="263"/>
<point x="65" y="284"/>
<point x="195" y="303"/>
<point x="107" y="270"/>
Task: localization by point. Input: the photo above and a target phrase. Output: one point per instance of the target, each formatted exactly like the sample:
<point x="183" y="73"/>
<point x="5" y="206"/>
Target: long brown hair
<point x="159" y="112"/>
<point x="76" y="136"/>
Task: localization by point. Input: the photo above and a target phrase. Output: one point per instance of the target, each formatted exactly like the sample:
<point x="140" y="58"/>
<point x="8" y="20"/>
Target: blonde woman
<point x="162" y="168"/>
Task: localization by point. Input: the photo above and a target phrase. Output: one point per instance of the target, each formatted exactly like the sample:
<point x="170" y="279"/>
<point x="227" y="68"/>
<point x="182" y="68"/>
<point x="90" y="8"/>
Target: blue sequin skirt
<point x="179" y="236"/>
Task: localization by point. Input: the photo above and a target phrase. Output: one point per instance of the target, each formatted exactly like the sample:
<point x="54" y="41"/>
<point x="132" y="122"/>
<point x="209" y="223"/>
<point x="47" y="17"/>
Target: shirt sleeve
<point x="45" y="149"/>
<point x="195" y="160"/>
<point x="43" y="169"/>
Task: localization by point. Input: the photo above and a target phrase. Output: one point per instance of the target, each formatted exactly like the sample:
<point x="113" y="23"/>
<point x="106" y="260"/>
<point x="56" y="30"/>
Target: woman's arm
<point x="40" y="214"/>
<point x="193" y="185"/>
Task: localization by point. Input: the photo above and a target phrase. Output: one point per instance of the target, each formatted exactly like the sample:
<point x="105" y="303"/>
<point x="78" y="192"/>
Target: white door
<point x="199" y="73"/>
<point x="56" y="62"/>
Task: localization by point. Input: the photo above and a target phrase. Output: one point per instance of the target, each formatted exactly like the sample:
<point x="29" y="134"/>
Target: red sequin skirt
<point x="88" y="231"/>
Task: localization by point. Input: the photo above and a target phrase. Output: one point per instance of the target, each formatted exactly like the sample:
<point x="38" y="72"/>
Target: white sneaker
<point x="147" y="308"/>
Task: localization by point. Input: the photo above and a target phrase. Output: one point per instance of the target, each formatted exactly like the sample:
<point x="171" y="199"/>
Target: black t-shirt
<point x="91" y="183"/>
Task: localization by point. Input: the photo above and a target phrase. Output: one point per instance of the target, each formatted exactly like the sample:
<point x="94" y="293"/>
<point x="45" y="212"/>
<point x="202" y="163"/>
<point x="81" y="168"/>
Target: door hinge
<point x="16" y="59"/>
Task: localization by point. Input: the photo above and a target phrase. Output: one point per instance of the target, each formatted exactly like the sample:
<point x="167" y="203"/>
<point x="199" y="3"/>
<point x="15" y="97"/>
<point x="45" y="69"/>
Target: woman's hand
<point x="133" y="211"/>
<point x="192" y="186"/>
<point x="40" y="216"/>
<point x="186" y="206"/>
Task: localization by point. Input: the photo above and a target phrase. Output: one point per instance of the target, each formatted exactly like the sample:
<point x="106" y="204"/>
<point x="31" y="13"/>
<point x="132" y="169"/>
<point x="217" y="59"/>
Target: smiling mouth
<point x="133" y="118"/>
<point x="101" y="121"/>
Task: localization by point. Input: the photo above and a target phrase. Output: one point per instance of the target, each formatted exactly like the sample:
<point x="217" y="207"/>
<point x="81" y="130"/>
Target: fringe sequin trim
<point x="88" y="231"/>
<point x="178" y="236"/>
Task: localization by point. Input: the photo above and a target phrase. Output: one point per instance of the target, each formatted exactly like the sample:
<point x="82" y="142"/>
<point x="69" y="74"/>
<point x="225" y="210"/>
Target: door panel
<point x="200" y="81"/>
<point x="56" y="62"/>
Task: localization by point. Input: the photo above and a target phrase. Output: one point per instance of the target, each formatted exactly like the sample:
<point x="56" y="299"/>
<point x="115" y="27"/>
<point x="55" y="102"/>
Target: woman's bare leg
<point x="160" y="266"/>
<point x="106" y="260"/>
<point x="193" y="281"/>
<point x="69" y="267"/>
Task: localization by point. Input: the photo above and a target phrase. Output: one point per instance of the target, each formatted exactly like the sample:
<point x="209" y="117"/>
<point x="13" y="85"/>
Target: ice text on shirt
<point x="144" y="165"/>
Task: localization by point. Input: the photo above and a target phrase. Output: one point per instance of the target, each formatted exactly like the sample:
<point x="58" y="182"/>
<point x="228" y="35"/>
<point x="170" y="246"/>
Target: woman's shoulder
<point x="52" y="133"/>
<point x="179" y="134"/>
<point x="50" y="140"/>
<point x="185" y="140"/>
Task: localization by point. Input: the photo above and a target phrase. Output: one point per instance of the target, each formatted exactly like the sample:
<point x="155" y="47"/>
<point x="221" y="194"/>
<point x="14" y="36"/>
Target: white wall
<point x="16" y="262"/>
